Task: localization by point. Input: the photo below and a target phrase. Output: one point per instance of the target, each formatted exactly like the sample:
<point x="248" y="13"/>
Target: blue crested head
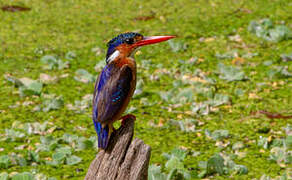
<point x="128" y="38"/>
<point x="125" y="44"/>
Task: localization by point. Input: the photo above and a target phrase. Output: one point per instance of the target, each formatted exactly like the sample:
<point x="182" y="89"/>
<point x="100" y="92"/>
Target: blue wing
<point x="99" y="84"/>
<point x="111" y="91"/>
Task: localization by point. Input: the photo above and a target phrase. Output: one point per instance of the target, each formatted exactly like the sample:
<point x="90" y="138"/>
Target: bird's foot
<point x="128" y="116"/>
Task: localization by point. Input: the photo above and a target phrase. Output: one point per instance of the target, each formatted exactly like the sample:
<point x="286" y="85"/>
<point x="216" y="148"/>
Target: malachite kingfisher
<point x="117" y="82"/>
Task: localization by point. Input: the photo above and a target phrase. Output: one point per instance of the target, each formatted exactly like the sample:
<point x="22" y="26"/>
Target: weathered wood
<point x="135" y="165"/>
<point x="122" y="160"/>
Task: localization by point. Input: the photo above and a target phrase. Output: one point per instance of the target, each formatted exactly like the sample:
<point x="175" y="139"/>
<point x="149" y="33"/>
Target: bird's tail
<point x="103" y="133"/>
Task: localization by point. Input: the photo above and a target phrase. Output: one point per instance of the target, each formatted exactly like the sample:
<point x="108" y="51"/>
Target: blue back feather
<point x="105" y="75"/>
<point x="102" y="133"/>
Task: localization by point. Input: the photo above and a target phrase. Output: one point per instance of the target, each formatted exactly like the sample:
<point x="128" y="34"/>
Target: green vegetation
<point x="213" y="103"/>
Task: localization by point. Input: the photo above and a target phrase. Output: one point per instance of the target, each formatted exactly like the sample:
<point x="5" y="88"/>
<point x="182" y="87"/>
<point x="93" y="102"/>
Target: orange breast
<point x="122" y="62"/>
<point x="126" y="61"/>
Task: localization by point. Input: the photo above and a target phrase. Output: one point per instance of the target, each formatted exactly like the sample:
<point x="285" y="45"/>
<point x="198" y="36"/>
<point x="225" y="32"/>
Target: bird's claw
<point x="128" y="116"/>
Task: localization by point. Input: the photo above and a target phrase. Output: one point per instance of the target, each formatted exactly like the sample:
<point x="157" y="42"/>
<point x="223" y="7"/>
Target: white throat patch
<point x="113" y="56"/>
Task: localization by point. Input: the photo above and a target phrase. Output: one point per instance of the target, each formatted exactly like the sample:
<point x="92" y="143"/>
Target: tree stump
<point x="122" y="160"/>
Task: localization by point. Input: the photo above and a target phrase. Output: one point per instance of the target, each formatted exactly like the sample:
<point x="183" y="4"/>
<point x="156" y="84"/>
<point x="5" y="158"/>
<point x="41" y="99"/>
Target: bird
<point x="117" y="82"/>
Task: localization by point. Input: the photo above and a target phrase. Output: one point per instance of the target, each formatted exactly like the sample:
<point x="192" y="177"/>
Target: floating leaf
<point x="28" y="86"/>
<point x="72" y="160"/>
<point x="99" y="66"/>
<point x="218" y="134"/>
<point x="187" y="125"/>
<point x="215" y="165"/>
<point x="196" y="153"/>
<point x="154" y="173"/>
<point x="130" y="110"/>
<point x="240" y="169"/>
<point x="280" y="71"/>
<point x="200" y="108"/>
<point x="202" y="164"/>
<point x="4" y="176"/>
<point x="47" y="79"/>
<point x="202" y="174"/>
<point x="70" y="55"/>
<point x="220" y="165"/>
<point x="40" y="176"/>
<point x="59" y="157"/>
<point x="83" y="143"/>
<point x="166" y="95"/>
<point x="93" y="139"/>
<point x="35" y="128"/>
<point x="266" y="30"/>
<point x="183" y="96"/>
<point x="263" y="142"/>
<point x="84" y="76"/>
<point x="53" y="163"/>
<point x="48" y="143"/>
<point x="4" y="161"/>
<point x="268" y="63"/>
<point x="176" y="152"/>
<point x="96" y="50"/>
<point x="32" y="156"/>
<point x="63" y="64"/>
<point x="218" y="100"/>
<point x="139" y="88"/>
<point x="23" y="176"/>
<point x="239" y="92"/>
<point x="230" y="73"/>
<point x="52" y="102"/>
<point x="279" y="33"/>
<point x="21" y="161"/>
<point x="65" y="150"/>
<point x="13" y="80"/>
<point x="177" y="46"/>
<point x="82" y="105"/>
<point x="68" y="138"/>
<point x="278" y="143"/>
<point x="47" y="139"/>
<point x="51" y="62"/>
<point x="238" y="145"/>
<point x="52" y="178"/>
<point x="228" y="55"/>
<point x="174" y="163"/>
<point x="12" y="135"/>
<point x="260" y="28"/>
<point x="281" y="155"/>
<point x="288" y="141"/>
<point x="174" y="175"/>
<point x="286" y="57"/>
<point x="249" y="55"/>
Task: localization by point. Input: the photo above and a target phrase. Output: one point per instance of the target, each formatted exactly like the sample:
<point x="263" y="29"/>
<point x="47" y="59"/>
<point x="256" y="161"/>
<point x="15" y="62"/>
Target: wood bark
<point x="123" y="159"/>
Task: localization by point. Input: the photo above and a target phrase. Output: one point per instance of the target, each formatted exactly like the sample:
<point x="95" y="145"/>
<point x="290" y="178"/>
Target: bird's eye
<point x="130" y="41"/>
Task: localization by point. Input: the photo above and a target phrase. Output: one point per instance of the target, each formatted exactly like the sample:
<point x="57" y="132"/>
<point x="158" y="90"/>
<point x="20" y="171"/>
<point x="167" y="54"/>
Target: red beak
<point x="152" y="40"/>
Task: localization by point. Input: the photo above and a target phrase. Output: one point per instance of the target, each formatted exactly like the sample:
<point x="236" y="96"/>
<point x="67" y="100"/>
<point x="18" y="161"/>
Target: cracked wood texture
<point x="123" y="159"/>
